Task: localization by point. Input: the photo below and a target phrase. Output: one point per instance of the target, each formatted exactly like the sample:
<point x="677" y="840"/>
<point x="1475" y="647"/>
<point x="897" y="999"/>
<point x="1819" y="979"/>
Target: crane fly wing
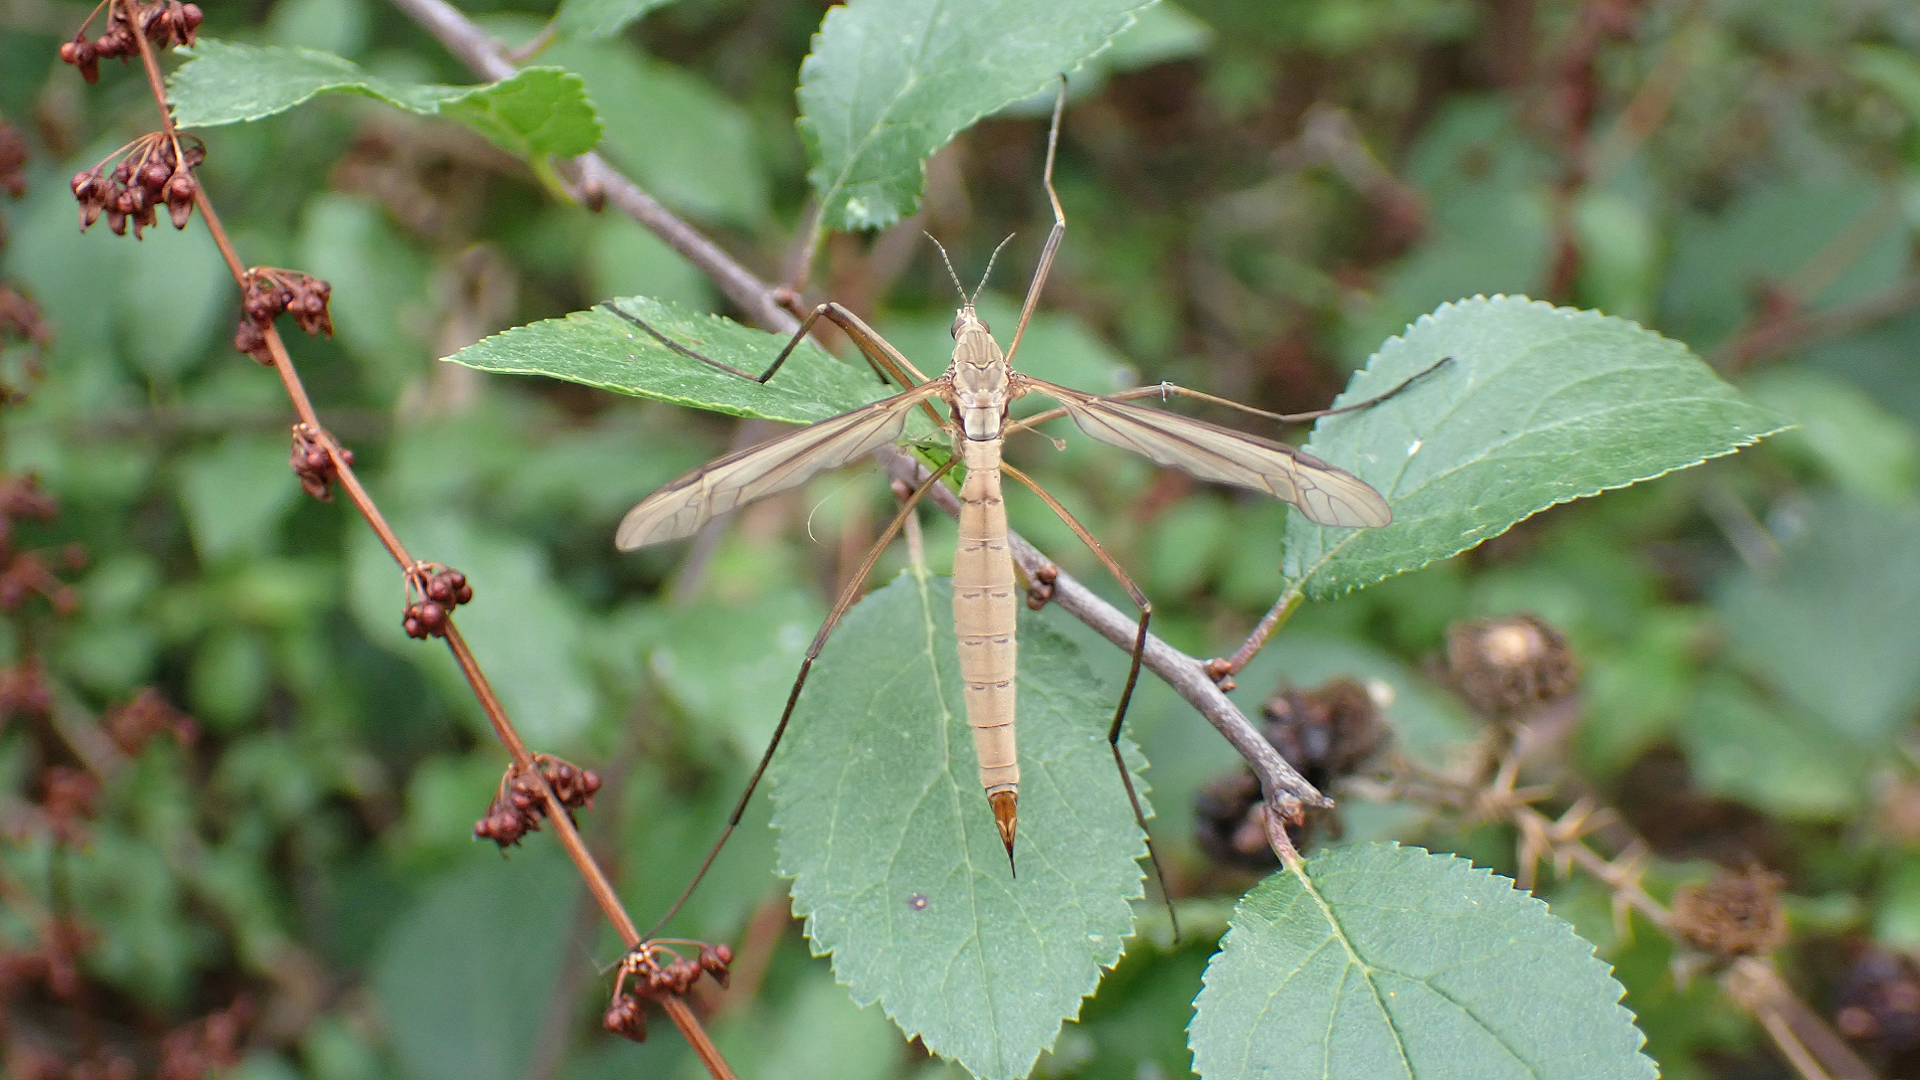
<point x="681" y="507"/>
<point x="1326" y="494"/>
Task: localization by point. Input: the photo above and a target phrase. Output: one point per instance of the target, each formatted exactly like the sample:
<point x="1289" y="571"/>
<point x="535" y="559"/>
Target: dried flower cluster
<point x="165" y="24"/>
<point x="271" y="291"/>
<point x="314" y="464"/>
<point x="518" y="806"/>
<point x="442" y="590"/>
<point x="150" y="172"/>
<point x="644" y="978"/>
<point x="133" y="725"/>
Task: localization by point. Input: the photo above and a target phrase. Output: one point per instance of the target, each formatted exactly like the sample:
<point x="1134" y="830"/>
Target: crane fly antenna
<point x="989" y="270"/>
<point x="957" y="287"/>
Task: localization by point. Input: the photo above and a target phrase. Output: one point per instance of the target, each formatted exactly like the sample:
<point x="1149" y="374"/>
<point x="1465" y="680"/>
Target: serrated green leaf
<point x="599" y="348"/>
<point x="225" y="82"/>
<point x="1382" y="961"/>
<point x="890" y="81"/>
<point x="536" y="112"/>
<point x="897" y="866"/>
<point x="601" y="18"/>
<point x="1539" y="405"/>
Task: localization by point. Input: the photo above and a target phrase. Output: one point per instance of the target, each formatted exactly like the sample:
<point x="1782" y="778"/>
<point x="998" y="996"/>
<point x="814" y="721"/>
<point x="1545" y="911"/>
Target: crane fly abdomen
<point x="985" y="599"/>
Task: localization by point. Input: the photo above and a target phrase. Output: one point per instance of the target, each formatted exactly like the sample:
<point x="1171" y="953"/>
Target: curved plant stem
<point x="596" y="879"/>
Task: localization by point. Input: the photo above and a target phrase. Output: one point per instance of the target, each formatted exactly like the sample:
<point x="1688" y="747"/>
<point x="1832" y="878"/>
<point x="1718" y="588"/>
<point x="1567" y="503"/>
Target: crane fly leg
<point x="1053" y="237"/>
<point x="886" y="361"/>
<point x="1166" y="389"/>
<point x="1133" y="673"/>
<point x="848" y="594"/>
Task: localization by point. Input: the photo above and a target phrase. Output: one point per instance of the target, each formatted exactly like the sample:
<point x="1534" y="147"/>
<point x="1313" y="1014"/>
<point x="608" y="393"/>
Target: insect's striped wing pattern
<point x="680" y="508"/>
<point x="1327" y="495"/>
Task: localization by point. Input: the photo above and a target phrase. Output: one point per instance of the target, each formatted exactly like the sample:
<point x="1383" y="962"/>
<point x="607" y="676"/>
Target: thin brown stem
<point x="523" y="762"/>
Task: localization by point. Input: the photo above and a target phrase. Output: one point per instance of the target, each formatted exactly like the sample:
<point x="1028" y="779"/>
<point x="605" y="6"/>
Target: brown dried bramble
<point x="270" y="291"/>
<point x="151" y="171"/>
<point x="1732" y="915"/>
<point x="519" y="805"/>
<point x="166" y="23"/>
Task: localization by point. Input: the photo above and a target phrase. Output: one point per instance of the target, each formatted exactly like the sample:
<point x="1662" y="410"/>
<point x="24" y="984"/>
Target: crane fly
<point x="977" y="388"/>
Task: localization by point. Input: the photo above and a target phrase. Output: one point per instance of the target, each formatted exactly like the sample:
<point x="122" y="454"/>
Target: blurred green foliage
<point x="1259" y="195"/>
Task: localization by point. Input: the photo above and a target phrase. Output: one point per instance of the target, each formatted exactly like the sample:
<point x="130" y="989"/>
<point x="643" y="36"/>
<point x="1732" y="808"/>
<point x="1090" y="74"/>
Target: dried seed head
<point x="1503" y="665"/>
<point x="1732" y="915"/>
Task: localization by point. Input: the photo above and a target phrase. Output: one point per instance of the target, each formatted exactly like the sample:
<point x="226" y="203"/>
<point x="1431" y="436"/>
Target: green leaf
<point x="601" y="18"/>
<point x="1539" y="405"/>
<point x="598" y="348"/>
<point x="1827" y="241"/>
<point x="1832" y="629"/>
<point x="1788" y="764"/>
<point x="380" y="301"/>
<point x="891" y="81"/>
<point x="688" y="144"/>
<point x="1383" y="961"/>
<point x="236" y="494"/>
<point x="453" y="974"/>
<point x="731" y="665"/>
<point x="1865" y="449"/>
<point x="536" y="112"/>
<point x="897" y="866"/>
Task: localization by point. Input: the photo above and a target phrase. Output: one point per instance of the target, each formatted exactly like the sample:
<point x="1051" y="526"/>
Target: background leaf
<point x="689" y="145"/>
<point x="601" y="18"/>
<point x="538" y="111"/>
<point x="599" y="348"/>
<point x="1384" y="961"/>
<point x="897" y="866"/>
<point x="891" y="81"/>
<point x="1827" y="636"/>
<point x="455" y="973"/>
<point x="1539" y="405"/>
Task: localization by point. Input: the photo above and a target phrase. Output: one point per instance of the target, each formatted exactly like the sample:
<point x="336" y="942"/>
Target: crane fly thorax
<point x="980" y="376"/>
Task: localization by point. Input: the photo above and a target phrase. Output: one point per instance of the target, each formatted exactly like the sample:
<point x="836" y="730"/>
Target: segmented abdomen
<point x="985" y="603"/>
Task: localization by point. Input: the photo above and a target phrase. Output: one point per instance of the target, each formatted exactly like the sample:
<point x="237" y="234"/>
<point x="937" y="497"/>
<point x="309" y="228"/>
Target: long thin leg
<point x="1133" y="672"/>
<point x="840" y="606"/>
<point x="1054" y="237"/>
<point x="887" y="362"/>
<point x="1165" y="389"/>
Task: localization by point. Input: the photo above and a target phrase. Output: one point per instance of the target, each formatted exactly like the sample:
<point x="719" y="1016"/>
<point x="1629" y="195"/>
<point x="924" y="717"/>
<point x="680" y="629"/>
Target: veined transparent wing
<point x="680" y="508"/>
<point x="1326" y="494"/>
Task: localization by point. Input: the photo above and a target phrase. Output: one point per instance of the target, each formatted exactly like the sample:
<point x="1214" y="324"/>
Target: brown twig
<point x="596" y="879"/>
<point x="1768" y="337"/>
